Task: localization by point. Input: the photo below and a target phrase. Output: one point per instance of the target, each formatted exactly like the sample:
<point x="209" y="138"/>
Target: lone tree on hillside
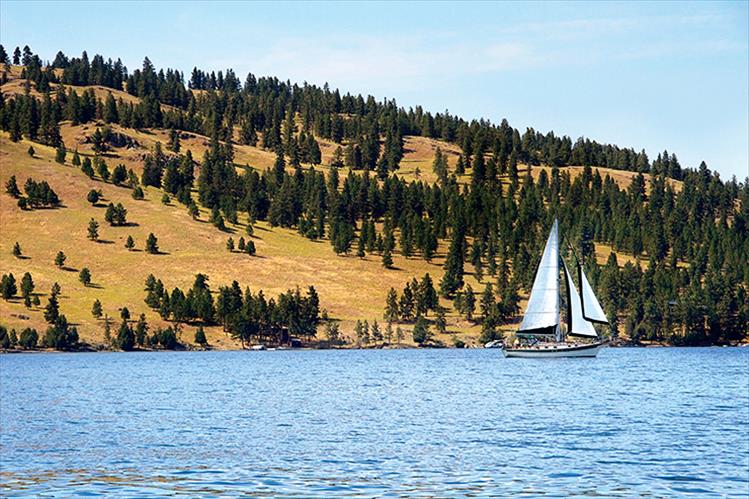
<point x="93" y="196"/>
<point x="152" y="244"/>
<point x="31" y="151"/>
<point x="60" y="259"/>
<point x="17" y="250"/>
<point x="130" y="243"/>
<point x="93" y="230"/>
<point x="85" y="276"/>
<point x="387" y="258"/>
<point x="96" y="310"/>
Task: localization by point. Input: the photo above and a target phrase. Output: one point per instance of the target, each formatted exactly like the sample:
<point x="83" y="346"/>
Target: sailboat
<point x="541" y="333"/>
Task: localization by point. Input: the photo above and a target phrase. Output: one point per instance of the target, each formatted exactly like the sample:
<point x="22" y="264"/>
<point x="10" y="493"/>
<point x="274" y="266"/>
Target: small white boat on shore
<point x="541" y="334"/>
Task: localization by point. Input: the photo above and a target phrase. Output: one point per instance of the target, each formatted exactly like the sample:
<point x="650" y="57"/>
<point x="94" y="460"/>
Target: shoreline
<point x="16" y="351"/>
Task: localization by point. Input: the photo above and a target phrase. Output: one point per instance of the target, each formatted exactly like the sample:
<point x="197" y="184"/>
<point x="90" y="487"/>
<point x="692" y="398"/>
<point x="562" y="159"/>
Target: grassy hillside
<point x="350" y="288"/>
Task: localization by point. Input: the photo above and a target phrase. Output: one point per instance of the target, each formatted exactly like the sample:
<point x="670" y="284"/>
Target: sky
<point x="647" y="75"/>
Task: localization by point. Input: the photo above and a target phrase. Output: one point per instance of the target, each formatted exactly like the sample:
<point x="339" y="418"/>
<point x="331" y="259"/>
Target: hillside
<point x="350" y="288"/>
<point x="285" y="259"/>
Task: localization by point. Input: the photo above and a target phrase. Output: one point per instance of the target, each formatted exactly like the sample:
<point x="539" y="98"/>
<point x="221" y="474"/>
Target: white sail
<point x="542" y="313"/>
<point x="577" y="324"/>
<point x="592" y="310"/>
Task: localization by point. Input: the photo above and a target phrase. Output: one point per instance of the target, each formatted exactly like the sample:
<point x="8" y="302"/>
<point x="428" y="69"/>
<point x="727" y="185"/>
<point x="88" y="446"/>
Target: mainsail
<point x="542" y="314"/>
<point x="577" y="324"/>
<point x="592" y="310"/>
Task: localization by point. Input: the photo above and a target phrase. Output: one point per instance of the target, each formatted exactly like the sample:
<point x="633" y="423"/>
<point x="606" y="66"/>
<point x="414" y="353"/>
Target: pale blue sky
<point x="648" y="75"/>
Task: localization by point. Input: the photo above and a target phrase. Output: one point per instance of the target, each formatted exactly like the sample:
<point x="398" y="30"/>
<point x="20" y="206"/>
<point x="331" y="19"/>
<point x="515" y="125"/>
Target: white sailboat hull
<point x="553" y="351"/>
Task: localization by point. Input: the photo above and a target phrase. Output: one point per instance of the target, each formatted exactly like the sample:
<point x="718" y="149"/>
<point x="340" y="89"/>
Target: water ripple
<point x="634" y="422"/>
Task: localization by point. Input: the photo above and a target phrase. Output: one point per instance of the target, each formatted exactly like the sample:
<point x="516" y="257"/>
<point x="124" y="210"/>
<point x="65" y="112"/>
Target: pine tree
<point x="93" y="230"/>
<point x="152" y="245"/>
<point x="96" y="310"/>
<point x="52" y="310"/>
<point x="86" y="167"/>
<point x="469" y="302"/>
<point x="487" y="301"/>
<point x="110" y="113"/>
<point x="387" y="258"/>
<point x="101" y="168"/>
<point x="193" y="210"/>
<point x="406" y="304"/>
<point x="93" y="196"/>
<point x="60" y="153"/>
<point x="11" y="187"/>
<point x="119" y="174"/>
<point x="130" y="243"/>
<point x="439" y="166"/>
<point x="200" y="338"/>
<point x="85" y="276"/>
<point x="141" y="330"/>
<point x="60" y="259"/>
<point x="125" y="337"/>
<point x="174" y="143"/>
<point x="27" y="287"/>
<point x="360" y="248"/>
<point x="337" y="160"/>
<point x="421" y="333"/>
<point x="375" y="332"/>
<point x="440" y="322"/>
<point x="452" y="280"/>
<point x="428" y="294"/>
<point x="392" y="310"/>
<point x="31" y="151"/>
<point x="8" y="287"/>
<point x="230" y="244"/>
<point x="17" y="250"/>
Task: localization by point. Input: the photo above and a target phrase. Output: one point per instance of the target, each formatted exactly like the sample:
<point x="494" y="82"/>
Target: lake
<point x="659" y="422"/>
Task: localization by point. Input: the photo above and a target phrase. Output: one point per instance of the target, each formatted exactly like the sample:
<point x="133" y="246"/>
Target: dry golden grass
<point x="350" y="288"/>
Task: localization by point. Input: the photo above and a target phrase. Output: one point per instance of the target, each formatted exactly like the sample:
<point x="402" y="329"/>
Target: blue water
<point x="632" y="422"/>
